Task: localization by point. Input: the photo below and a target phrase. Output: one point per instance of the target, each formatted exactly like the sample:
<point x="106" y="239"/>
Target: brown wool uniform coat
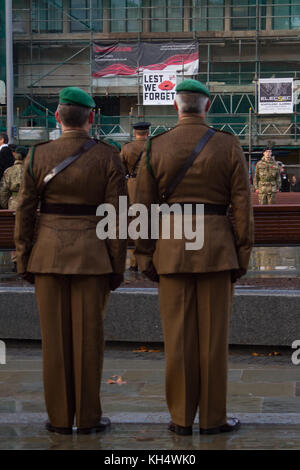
<point x="195" y="286"/>
<point x="71" y="267"/>
<point x="129" y="155"/>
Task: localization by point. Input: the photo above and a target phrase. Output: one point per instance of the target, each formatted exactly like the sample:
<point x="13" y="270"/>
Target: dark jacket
<point x="6" y="159"/>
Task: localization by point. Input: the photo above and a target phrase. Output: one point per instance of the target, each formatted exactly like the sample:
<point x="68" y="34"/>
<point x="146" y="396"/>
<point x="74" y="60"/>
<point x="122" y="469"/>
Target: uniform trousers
<point x="71" y="309"/>
<point x="195" y="311"/>
<point x="266" y="198"/>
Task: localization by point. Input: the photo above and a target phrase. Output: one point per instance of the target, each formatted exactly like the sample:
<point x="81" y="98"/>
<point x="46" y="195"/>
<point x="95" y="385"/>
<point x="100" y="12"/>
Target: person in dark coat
<point x="295" y="184"/>
<point x="6" y="156"/>
<point x="285" y="182"/>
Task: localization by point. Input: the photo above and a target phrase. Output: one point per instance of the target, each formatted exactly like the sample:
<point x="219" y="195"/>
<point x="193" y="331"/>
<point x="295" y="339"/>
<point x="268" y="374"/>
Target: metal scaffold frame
<point x="232" y="79"/>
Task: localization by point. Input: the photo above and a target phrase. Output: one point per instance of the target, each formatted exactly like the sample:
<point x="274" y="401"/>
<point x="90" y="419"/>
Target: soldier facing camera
<point x="267" y="181"/>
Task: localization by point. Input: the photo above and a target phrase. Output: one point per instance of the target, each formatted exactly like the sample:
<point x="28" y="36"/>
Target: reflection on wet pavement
<point x="150" y="437"/>
<point x="270" y="261"/>
<point x="263" y="391"/>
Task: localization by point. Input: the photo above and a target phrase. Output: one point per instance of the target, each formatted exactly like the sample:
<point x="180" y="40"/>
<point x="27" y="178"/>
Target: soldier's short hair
<point x="72" y="115"/>
<point x="191" y="102"/>
<point x="140" y="132"/>
<point x="4" y="137"/>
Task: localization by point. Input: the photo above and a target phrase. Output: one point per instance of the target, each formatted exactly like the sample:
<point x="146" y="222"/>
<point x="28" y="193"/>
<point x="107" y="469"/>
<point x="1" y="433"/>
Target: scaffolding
<point x="240" y="41"/>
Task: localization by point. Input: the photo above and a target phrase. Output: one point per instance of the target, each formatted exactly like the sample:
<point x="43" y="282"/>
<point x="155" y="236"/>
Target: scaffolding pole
<point x="9" y="71"/>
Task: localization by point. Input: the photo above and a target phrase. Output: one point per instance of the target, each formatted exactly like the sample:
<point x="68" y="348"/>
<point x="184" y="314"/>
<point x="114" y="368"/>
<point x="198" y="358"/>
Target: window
<point x="208" y="15"/>
<point x="286" y="14"/>
<point x="46" y="16"/>
<point x="166" y="15"/>
<point x="125" y="15"/>
<point x="248" y="14"/>
<point x="232" y="72"/>
<point x="83" y="11"/>
<point x="243" y="14"/>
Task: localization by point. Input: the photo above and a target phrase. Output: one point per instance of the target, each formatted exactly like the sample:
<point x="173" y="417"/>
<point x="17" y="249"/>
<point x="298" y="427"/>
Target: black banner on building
<point x="130" y="58"/>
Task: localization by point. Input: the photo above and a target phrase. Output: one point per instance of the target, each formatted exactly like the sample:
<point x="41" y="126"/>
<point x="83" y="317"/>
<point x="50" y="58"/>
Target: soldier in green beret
<point x="72" y="268"/>
<point x="194" y="164"/>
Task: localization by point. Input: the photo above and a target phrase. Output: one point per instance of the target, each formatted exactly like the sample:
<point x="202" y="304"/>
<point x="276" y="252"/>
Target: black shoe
<point x="57" y="429"/>
<point x="133" y="268"/>
<point x="181" y="430"/>
<point x="232" y="424"/>
<point x="103" y="424"/>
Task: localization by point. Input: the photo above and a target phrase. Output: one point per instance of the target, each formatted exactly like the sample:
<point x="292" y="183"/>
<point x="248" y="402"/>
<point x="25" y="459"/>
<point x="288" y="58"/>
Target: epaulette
<point x="113" y="144"/>
<point x="31" y="156"/>
<point x="224" y="132"/>
<point x="148" y="148"/>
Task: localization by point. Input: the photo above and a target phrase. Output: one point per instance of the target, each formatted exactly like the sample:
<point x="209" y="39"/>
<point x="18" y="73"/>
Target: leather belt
<point x="68" y="209"/>
<point x="209" y="209"/>
<point x="84" y="209"/>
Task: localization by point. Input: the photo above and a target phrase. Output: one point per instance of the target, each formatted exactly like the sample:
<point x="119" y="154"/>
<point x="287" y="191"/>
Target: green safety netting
<point x="109" y="124"/>
<point x="39" y="116"/>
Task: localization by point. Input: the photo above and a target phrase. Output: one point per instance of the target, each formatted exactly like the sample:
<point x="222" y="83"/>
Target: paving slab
<point x="263" y="392"/>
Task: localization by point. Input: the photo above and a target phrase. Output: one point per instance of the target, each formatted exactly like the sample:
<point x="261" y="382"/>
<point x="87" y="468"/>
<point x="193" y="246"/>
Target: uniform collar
<point x="191" y="120"/>
<point x="74" y="133"/>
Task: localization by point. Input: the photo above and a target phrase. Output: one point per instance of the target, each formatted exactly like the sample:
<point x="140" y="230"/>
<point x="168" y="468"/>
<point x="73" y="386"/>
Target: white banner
<point x="159" y="88"/>
<point x="275" y="96"/>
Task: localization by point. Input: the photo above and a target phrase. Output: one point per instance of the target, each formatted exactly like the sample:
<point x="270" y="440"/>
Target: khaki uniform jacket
<point x="218" y="176"/>
<point x="69" y="244"/>
<point x="10" y="185"/>
<point x="129" y="155"/>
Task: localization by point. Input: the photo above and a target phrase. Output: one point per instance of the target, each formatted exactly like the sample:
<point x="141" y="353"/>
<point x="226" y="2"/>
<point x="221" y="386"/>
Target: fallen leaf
<point x="118" y="380"/>
<point x="154" y="350"/>
<point x="141" y="349"/>
<point x="144" y="438"/>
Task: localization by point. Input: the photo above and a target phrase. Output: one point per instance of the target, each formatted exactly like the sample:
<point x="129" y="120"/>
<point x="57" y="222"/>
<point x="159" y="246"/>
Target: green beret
<point x="74" y="95"/>
<point x="192" y="86"/>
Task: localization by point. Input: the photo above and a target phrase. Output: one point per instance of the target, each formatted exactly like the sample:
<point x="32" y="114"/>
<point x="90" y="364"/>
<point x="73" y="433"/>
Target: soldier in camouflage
<point x="11" y="180"/>
<point x="267" y="181"/>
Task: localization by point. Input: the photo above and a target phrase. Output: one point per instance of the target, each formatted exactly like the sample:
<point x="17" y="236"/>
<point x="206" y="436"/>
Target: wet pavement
<point x="263" y="391"/>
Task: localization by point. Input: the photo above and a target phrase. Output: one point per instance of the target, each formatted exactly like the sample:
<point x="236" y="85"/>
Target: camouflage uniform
<point x="267" y="180"/>
<point x="10" y="184"/>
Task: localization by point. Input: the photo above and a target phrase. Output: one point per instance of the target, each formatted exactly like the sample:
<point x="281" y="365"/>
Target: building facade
<point x="239" y="42"/>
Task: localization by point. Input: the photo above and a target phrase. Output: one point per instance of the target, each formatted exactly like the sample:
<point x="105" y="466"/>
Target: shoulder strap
<point x="136" y="162"/>
<point x="187" y="164"/>
<point x="148" y="164"/>
<point x="67" y="162"/>
<point x="31" y="155"/>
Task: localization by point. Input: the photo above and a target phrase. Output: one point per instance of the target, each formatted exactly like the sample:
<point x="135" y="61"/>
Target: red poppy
<point x="166" y="85"/>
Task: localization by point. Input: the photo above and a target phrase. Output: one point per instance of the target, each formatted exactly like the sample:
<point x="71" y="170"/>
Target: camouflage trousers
<point x="266" y="198"/>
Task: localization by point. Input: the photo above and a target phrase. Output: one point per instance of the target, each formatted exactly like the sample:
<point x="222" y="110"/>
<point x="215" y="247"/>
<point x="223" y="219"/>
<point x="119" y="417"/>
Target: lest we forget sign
<point x="158" y="88"/>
